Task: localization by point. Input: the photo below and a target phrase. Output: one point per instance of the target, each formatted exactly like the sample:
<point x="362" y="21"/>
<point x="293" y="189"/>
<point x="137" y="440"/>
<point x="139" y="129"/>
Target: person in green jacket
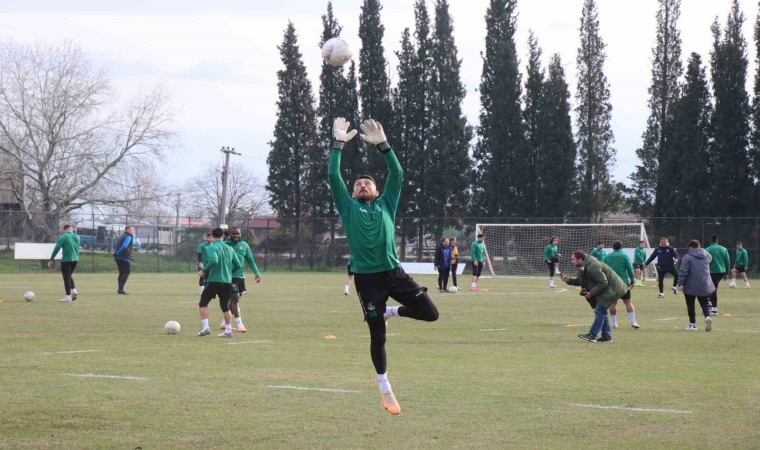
<point x="598" y="251"/>
<point x="551" y="258"/>
<point x="719" y="266"/>
<point x="245" y="255"/>
<point x="478" y="255"/>
<point x="219" y="263"/>
<point x="201" y="246"/>
<point x="601" y="287"/>
<point x="368" y="219"/>
<point x="621" y="264"/>
<point x="741" y="265"/>
<point x="69" y="244"/>
<point x="639" y="260"/>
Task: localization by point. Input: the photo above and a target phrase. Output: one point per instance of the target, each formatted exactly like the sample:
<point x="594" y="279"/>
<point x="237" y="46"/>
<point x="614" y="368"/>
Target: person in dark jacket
<point x="443" y="263"/>
<point x="695" y="282"/>
<point x="124" y="255"/>
<point x="667" y="257"/>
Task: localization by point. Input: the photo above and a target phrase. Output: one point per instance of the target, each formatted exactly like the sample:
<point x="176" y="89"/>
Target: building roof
<point x="265" y="223"/>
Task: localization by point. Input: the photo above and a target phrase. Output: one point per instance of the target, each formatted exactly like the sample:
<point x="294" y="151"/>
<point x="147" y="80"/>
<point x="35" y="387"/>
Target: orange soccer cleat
<point x="390" y="403"/>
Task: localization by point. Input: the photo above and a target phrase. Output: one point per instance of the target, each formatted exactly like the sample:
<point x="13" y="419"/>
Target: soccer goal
<point x="517" y="250"/>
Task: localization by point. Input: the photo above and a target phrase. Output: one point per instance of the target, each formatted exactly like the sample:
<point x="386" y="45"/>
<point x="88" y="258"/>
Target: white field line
<point x="92" y="375"/>
<point x="493" y="329"/>
<point x="248" y="342"/>
<point x="300" y="388"/>
<point x="561" y="290"/>
<point x="669" y="318"/>
<point x="386" y="334"/>
<point x="628" y="408"/>
<point x="68" y="352"/>
<point x="743" y="331"/>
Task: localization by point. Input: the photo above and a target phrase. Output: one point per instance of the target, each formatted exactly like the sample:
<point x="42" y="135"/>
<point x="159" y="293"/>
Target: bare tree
<point x="139" y="181"/>
<point x="247" y="197"/>
<point x="62" y="128"/>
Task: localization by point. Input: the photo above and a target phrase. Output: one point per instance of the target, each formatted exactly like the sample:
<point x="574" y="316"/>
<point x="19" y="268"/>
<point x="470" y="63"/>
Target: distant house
<point x="262" y="227"/>
<point x="8" y="200"/>
<point x="187" y="222"/>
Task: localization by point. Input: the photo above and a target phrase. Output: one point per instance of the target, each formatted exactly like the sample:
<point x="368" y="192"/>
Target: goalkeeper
<point x="551" y="257"/>
<point x="369" y="221"/>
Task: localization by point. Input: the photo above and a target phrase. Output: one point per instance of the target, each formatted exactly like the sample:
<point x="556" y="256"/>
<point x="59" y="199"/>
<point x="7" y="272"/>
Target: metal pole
<point x="225" y="176"/>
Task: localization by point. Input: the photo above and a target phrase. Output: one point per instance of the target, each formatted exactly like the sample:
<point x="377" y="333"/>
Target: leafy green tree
<point x="755" y="117"/>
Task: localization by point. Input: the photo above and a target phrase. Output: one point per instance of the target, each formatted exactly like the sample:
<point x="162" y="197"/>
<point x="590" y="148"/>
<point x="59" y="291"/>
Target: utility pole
<point x="225" y="175"/>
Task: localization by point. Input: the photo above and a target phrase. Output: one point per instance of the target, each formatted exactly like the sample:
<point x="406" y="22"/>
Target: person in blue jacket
<point x="124" y="254"/>
<point x="667" y="257"/>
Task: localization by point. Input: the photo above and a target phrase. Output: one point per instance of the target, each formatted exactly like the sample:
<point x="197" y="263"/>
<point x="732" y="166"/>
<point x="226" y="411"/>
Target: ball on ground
<point x="172" y="327"/>
<point x="336" y="52"/>
<point x="29" y="296"/>
<point x="452" y="289"/>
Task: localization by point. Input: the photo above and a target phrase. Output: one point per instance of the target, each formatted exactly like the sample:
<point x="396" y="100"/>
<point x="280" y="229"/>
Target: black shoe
<point x="587" y="337"/>
<point x="604" y="339"/>
<point x="122" y="292"/>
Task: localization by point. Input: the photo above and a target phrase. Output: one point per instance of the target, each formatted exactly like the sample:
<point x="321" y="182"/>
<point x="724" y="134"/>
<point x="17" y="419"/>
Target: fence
<point x="169" y="244"/>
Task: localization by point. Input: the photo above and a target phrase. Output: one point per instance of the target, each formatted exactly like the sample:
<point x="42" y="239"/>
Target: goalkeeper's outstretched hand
<point x="340" y="130"/>
<point x="373" y="132"/>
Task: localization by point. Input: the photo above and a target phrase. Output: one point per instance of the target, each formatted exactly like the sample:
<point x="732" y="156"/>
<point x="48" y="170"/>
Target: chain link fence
<point x="169" y="244"/>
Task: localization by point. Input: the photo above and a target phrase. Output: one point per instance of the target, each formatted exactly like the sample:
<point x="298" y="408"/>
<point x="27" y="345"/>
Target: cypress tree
<point x="534" y="114"/>
<point x="501" y="135"/>
<point x="648" y="183"/>
<point x="295" y="134"/>
<point x="754" y="156"/>
<point x="729" y="153"/>
<point x="594" y="111"/>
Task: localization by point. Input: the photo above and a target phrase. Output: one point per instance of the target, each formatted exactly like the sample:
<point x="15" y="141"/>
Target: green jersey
<point x="219" y="262"/>
<point x="245" y="255"/>
<point x="598" y="253"/>
<point x="203" y="245"/>
<point x="721" y="262"/>
<point x="69" y="243"/>
<point x="741" y="258"/>
<point x="478" y="251"/>
<point x="550" y="252"/>
<point x="369" y="226"/>
<point x="639" y="256"/>
<point x="621" y="264"/>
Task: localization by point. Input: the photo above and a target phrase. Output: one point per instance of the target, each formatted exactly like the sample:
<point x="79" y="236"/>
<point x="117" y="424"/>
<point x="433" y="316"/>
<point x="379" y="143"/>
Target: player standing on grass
<point x="454" y="259"/>
<point x="639" y="258"/>
<point x="621" y="264"/>
<point x="124" y="254"/>
<point x="551" y="258"/>
<point x="694" y="280"/>
<point x="478" y="255"/>
<point x="667" y="257"/>
<point x="741" y="265"/>
<point x="219" y="262"/>
<point x="718" y="269"/>
<point x="442" y="263"/>
<point x="598" y="252"/>
<point x="69" y="243"/>
<point x="369" y="221"/>
<point x="206" y="243"/>
<point x="245" y="255"/>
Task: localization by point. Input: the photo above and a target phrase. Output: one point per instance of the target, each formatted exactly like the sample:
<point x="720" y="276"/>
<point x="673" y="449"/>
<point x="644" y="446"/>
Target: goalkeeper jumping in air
<point x="369" y="220"/>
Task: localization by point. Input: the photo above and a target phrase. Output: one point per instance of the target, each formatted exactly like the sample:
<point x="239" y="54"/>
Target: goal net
<point x="517" y="250"/>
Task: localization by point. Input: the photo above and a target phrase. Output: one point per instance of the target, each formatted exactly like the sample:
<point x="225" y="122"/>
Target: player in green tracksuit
<point x="69" y="244"/>
<point x="478" y="256"/>
<point x="245" y="255"/>
<point x="719" y="267"/>
<point x="621" y="264"/>
<point x="204" y="244"/>
<point x="741" y="265"/>
<point x="598" y="252"/>
<point x="219" y="263"/>
<point x="368" y="219"/>
<point x="551" y="258"/>
<point x="639" y="258"/>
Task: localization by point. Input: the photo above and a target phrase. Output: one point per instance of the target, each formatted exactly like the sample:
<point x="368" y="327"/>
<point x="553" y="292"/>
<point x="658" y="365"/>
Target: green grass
<point x="500" y="369"/>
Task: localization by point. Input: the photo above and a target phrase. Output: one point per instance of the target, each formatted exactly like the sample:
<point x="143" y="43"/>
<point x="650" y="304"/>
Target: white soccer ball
<point x="172" y="327"/>
<point x="336" y="52"/>
<point x="452" y="289"/>
<point x="29" y="296"/>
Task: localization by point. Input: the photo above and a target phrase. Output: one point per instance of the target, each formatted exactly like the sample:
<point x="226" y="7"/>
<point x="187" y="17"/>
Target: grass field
<point x="501" y="368"/>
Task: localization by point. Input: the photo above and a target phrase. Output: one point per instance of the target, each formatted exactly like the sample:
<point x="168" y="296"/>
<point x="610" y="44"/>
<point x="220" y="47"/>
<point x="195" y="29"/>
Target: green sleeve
<point x="340" y="195"/>
<point x="547" y="253"/>
<point x="209" y="258"/>
<point x="57" y="248"/>
<point x="598" y="281"/>
<point x="236" y="264"/>
<point x="629" y="270"/>
<point x="574" y="281"/>
<point x="726" y="261"/>
<point x="392" y="191"/>
<point x="250" y="261"/>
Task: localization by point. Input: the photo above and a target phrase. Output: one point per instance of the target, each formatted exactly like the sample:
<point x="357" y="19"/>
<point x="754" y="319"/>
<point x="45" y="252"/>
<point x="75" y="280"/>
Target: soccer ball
<point x="336" y="52"/>
<point x="29" y="296"/>
<point x="172" y="327"/>
<point x="452" y="289"/>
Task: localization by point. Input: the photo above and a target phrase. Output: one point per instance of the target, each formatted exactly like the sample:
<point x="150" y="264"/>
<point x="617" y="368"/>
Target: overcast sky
<point x="218" y="60"/>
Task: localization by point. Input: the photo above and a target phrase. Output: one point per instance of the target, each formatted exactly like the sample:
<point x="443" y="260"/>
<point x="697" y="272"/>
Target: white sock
<point x="204" y="323"/>
<point x="227" y="329"/>
<point x="391" y="311"/>
<point x="733" y="280"/>
<point x="613" y="319"/>
<point x="474" y="285"/>
<point x="345" y="288"/>
<point x="200" y="289"/>
<point x="632" y="316"/>
<point x="239" y="321"/>
<point x="382" y="381"/>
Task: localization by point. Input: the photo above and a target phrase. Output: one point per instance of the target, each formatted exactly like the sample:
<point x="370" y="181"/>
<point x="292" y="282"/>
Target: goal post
<point x="517" y="250"/>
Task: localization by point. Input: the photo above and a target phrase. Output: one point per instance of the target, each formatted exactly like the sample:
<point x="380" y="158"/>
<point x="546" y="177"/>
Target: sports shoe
<point x="713" y="311"/>
<point x="614" y="325"/>
<point x="746" y="285"/>
<point x="204" y="332"/>
<point x="587" y="337"/>
<point x="691" y="327"/>
<point x="604" y="339"/>
<point x="122" y="292"/>
<point x="223" y="325"/>
<point x="390" y="403"/>
<point x="225" y="335"/>
<point x="551" y="284"/>
<point x="65" y="300"/>
<point x="708" y="323"/>
<point x="473" y="289"/>
<point x="635" y="325"/>
<point x="557" y="272"/>
<point x="73" y="296"/>
<point x="732" y="285"/>
<point x="240" y="329"/>
<point x="661" y="295"/>
<point x="674" y="290"/>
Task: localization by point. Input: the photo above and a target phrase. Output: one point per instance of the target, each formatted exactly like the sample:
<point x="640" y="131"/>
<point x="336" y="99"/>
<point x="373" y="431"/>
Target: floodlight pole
<point x="225" y="175"/>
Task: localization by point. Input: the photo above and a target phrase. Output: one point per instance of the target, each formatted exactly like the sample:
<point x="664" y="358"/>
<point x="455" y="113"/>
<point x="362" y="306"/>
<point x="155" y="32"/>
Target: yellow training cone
<point x="329" y="337"/>
<point x="571" y="325"/>
<point x="726" y="315"/>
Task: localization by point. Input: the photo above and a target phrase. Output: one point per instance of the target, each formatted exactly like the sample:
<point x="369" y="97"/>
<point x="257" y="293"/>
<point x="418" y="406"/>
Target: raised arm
<point x="337" y="185"/>
<point x="651" y="258"/>
<point x="372" y="133"/>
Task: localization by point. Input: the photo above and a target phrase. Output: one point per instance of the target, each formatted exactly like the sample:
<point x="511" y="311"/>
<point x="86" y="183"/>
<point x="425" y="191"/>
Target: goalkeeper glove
<point x="341" y="133"/>
<point x="374" y="134"/>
